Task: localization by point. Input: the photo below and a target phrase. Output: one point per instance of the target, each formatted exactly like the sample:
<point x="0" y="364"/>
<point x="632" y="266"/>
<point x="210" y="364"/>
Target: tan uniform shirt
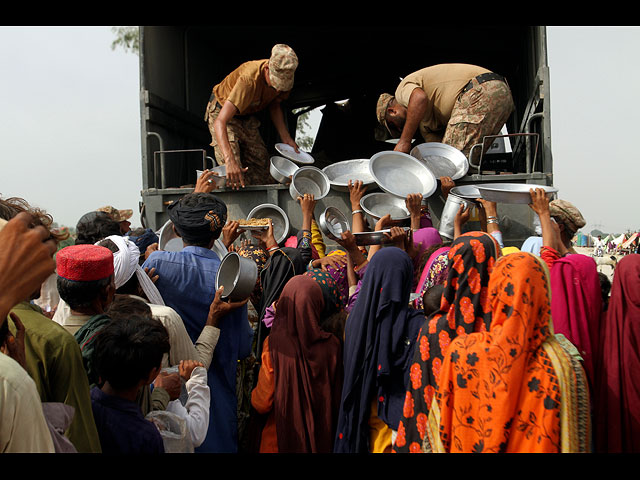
<point x="247" y="88"/>
<point x="442" y="85"/>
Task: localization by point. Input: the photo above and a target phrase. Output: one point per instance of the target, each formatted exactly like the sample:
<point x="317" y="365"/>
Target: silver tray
<point x="374" y="238"/>
<point x="511" y="192"/>
<point x="340" y="173"/>
<point x="253" y="227"/>
<point x="400" y="174"/>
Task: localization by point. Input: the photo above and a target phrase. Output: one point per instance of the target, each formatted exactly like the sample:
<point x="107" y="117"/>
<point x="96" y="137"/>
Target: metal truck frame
<point x="343" y="69"/>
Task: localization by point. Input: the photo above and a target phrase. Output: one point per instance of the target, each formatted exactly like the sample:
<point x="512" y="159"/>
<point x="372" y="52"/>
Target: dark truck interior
<point x="181" y="64"/>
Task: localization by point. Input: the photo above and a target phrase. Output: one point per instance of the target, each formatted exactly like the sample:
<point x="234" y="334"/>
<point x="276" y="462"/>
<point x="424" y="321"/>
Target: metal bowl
<point x="340" y="173"/>
<point x="278" y="218"/>
<point x="237" y="275"/>
<point x="379" y="204"/>
<point x="400" y="174"/>
<point x="168" y="239"/>
<point x="310" y="180"/>
<point x="220" y="179"/>
<point x="333" y="223"/>
<point x="511" y="192"/>
<point x="282" y="169"/>
<point x="469" y="192"/>
<point x="443" y="160"/>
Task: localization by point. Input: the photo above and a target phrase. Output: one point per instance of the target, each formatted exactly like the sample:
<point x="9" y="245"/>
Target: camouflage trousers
<point x="246" y="144"/>
<point x="481" y="111"/>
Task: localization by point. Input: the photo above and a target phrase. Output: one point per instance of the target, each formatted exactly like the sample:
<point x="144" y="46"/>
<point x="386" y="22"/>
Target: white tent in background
<point x="619" y="240"/>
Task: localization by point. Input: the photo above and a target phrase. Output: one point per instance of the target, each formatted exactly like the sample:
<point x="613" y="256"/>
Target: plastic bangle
<point x="356" y="211"/>
<point x="493" y="220"/>
<point x="272" y="249"/>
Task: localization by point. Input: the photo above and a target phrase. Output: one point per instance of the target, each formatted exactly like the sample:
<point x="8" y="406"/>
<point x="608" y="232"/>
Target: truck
<point x="342" y="71"/>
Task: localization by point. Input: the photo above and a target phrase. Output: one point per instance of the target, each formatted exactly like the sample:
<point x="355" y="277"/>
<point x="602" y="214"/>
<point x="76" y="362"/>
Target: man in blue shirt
<point x="186" y="281"/>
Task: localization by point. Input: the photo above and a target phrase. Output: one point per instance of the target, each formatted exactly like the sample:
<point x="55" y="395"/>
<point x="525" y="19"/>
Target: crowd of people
<point x="422" y="344"/>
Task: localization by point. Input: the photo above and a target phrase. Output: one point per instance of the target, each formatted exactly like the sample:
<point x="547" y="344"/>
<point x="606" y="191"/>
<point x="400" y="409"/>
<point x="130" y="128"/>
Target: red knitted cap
<point x="84" y="263"/>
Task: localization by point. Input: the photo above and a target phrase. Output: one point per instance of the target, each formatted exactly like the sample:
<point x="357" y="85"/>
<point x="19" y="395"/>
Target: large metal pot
<point x="310" y="180"/>
<point x="237" y="275"/>
<point x="378" y="204"/>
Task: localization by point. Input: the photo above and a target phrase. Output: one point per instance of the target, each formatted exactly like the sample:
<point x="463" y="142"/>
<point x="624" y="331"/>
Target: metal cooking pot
<point x="281" y="169"/>
<point x="310" y="180"/>
<point x="238" y="276"/>
<point x="449" y="212"/>
<point x="332" y="223"/>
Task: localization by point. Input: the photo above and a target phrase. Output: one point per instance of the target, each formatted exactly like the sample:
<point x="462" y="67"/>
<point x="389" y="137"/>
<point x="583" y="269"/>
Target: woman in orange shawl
<point x="517" y="387"/>
<point x="464" y="308"/>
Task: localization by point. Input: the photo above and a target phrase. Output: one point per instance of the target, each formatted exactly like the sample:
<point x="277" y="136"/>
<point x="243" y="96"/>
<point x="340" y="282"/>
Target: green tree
<point x="127" y="38"/>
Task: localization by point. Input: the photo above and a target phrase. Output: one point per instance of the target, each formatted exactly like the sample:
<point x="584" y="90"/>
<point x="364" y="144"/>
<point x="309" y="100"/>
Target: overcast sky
<point x="70" y="121"/>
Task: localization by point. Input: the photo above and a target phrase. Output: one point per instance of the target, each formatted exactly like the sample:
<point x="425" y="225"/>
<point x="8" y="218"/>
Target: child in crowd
<point x="128" y="356"/>
<point x="196" y="409"/>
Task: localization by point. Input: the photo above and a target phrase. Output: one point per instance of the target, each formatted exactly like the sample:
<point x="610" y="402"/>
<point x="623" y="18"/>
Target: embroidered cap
<point x="84" y="263"/>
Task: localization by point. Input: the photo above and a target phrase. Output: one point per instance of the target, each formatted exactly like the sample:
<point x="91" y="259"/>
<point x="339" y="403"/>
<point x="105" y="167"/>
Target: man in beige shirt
<point x="456" y="104"/>
<point x="252" y="87"/>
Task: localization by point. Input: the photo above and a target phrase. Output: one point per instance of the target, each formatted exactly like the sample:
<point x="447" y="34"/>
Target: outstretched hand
<point x="220" y="307"/>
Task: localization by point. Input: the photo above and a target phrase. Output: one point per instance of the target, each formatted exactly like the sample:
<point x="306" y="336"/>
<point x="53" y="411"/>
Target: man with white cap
<point x="252" y="87"/>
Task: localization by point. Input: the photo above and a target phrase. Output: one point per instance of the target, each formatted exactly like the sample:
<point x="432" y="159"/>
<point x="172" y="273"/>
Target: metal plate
<point x="253" y="227"/>
<point x="469" y="192"/>
<point x="400" y="174"/>
<point x="511" y="192"/>
<point x="379" y="204"/>
<point x="443" y="160"/>
<point x="288" y="151"/>
<point x="373" y="238"/>
<point x="278" y="218"/>
<point x="340" y="173"/>
<point x="282" y="169"/>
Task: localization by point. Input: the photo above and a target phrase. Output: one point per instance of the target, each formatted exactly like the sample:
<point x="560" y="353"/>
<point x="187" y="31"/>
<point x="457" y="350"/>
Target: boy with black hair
<point x="128" y="355"/>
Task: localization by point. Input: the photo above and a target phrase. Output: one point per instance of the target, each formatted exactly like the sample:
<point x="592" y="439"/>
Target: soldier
<point x="252" y="87"/>
<point x="456" y="104"/>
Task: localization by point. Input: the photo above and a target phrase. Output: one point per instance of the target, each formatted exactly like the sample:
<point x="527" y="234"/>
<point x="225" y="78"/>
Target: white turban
<point x="126" y="264"/>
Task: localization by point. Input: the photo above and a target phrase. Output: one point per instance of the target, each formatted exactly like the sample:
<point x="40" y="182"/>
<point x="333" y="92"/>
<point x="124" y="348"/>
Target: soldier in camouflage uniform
<point x="456" y="104"/>
<point x="252" y="87"/>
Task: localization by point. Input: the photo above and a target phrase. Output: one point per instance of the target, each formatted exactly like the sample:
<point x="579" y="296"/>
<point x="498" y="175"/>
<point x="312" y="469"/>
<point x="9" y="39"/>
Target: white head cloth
<point x="126" y="264"/>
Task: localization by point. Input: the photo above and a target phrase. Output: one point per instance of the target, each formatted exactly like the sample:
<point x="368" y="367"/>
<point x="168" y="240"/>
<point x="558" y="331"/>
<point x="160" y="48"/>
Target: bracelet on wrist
<point x="356" y="211"/>
<point x="493" y="220"/>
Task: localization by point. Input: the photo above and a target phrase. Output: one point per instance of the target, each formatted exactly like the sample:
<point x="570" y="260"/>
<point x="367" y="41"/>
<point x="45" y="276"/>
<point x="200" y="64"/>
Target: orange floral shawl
<point x="503" y="390"/>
